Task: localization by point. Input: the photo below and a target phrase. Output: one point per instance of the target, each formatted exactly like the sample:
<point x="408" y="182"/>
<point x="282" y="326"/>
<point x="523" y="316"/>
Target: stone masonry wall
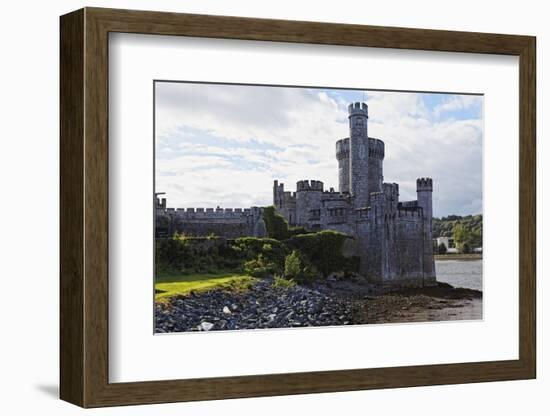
<point x="228" y="222"/>
<point x="308" y="199"/>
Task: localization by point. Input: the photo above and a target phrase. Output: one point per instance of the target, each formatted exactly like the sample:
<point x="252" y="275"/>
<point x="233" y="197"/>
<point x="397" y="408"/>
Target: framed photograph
<point x="254" y="207"/>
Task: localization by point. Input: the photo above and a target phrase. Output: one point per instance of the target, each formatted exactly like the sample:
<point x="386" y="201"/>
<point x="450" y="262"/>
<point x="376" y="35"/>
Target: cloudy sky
<point x="223" y="145"/>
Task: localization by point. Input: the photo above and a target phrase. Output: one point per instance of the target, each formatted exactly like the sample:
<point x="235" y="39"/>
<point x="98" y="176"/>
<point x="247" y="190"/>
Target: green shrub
<point x="260" y="267"/>
<point x="185" y="254"/>
<point x="293" y="264"/>
<point x="259" y="257"/>
<point x="272" y="252"/>
<point x="282" y="283"/>
<point x="292" y="231"/>
<point x="275" y="224"/>
<point x="298" y="268"/>
<point x="324" y="250"/>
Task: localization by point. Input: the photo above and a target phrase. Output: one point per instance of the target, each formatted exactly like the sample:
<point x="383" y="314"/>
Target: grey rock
<point x="206" y="326"/>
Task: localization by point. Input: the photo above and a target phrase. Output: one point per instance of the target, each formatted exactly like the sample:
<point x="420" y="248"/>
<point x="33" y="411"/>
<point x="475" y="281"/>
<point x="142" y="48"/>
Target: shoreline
<point x="328" y="303"/>
<point x="430" y="304"/>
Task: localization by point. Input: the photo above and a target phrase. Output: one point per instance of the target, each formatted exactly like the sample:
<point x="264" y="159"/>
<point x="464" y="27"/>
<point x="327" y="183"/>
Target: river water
<point x="460" y="273"/>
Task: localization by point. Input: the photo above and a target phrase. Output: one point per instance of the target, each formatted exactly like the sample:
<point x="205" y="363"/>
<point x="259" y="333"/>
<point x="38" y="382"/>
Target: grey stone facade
<point x="228" y="222"/>
<point x="393" y="239"/>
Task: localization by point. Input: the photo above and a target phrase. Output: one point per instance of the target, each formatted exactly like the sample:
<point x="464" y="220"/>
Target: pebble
<point x="259" y="307"/>
<point x="206" y="326"/>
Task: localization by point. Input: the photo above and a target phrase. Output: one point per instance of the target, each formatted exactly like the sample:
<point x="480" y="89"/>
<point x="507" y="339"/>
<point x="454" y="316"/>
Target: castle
<point x="392" y="239"/>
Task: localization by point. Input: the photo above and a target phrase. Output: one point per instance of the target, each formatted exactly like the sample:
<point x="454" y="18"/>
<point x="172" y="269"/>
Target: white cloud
<point x="224" y="145"/>
<point x="457" y="102"/>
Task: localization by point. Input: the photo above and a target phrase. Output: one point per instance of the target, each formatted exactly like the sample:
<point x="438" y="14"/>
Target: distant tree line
<point x="466" y="231"/>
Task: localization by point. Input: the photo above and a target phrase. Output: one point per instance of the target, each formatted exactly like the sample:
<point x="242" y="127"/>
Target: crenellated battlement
<point x="309" y="185"/>
<point x="211" y="213"/>
<point x="424" y="184"/>
<point x="358" y="109"/>
<point x="410" y="213"/>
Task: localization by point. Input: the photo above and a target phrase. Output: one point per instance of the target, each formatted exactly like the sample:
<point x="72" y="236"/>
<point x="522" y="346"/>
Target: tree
<point x="324" y="249"/>
<point x="298" y="268"/>
<point x="464" y="238"/>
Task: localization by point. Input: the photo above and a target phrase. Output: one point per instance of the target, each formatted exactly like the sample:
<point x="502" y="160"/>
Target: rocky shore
<point x="262" y="306"/>
<point x="330" y="303"/>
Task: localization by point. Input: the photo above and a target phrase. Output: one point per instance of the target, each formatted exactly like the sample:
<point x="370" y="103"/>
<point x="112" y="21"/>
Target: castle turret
<point x="342" y="155"/>
<point x="424" y="190"/>
<point x="308" y="199"/>
<point x="376" y="158"/>
<point x="359" y="155"/>
<point x="284" y="202"/>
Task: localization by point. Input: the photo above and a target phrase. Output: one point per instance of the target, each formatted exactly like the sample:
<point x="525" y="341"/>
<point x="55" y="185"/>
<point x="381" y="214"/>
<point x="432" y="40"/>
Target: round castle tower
<point x="358" y="153"/>
<point x="360" y="158"/>
<point x="342" y="155"/>
<point x="376" y="159"/>
<point x="424" y="190"/>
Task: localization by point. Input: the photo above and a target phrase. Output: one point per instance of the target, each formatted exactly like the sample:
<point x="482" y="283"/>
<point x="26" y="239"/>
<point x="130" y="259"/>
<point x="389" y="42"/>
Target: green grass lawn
<point x="168" y="284"/>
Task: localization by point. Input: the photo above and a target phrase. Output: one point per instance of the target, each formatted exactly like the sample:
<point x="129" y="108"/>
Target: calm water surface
<point x="460" y="273"/>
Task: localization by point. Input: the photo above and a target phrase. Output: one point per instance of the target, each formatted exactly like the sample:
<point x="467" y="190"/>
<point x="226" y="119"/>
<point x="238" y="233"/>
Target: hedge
<point x="260" y="257"/>
<point x="275" y="224"/>
<point x="324" y="250"/>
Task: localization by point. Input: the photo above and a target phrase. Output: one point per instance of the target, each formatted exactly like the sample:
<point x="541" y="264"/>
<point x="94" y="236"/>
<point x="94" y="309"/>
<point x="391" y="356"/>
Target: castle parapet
<point x="358" y="109"/>
<point x="342" y="149"/>
<point x="307" y="185"/>
<point x="210" y="213"/>
<point x="424" y="184"/>
<point x="412" y="214"/>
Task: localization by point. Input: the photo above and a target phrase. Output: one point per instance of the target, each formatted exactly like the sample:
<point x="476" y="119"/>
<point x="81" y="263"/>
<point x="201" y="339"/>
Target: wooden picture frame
<point x="84" y="207"/>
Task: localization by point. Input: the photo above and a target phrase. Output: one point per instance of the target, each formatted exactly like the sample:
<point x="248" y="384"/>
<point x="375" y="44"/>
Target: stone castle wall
<point x="225" y="222"/>
<point x="284" y="202"/>
<point x="308" y="200"/>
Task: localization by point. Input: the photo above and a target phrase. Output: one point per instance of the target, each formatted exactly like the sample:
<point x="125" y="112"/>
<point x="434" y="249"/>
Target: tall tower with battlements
<point x="342" y="156"/>
<point x="424" y="190"/>
<point x="359" y="153"/>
